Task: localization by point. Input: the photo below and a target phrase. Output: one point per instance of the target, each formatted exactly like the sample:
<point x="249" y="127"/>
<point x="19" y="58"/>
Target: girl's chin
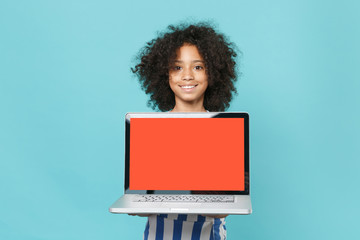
<point x="190" y="99"/>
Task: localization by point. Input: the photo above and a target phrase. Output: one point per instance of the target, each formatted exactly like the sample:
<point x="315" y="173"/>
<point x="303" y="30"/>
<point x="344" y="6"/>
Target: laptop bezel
<point x="243" y="115"/>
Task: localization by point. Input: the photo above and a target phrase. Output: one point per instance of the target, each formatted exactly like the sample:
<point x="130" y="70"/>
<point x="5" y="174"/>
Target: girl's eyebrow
<point x="194" y="61"/>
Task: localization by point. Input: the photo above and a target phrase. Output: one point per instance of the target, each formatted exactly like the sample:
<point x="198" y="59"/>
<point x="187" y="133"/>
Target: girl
<point x="189" y="68"/>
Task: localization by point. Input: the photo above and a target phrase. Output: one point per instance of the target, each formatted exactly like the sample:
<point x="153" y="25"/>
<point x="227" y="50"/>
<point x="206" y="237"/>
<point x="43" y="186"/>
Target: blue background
<point x="65" y="86"/>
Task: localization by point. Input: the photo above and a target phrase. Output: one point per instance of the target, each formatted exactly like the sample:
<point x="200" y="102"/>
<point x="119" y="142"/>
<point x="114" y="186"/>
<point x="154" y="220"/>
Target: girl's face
<point x="187" y="76"/>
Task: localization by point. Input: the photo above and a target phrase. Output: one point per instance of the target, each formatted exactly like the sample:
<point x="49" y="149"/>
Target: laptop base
<point x="127" y="204"/>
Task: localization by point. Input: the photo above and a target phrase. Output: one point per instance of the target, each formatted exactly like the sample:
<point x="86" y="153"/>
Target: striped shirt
<point x="184" y="227"/>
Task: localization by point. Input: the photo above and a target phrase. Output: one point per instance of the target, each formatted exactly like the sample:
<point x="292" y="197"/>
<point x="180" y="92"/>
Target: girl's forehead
<point x="188" y="52"/>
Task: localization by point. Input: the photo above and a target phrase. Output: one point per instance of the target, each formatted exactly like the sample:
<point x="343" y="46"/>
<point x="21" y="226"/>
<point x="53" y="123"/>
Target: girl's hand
<point x="140" y="215"/>
<point x="215" y="215"/>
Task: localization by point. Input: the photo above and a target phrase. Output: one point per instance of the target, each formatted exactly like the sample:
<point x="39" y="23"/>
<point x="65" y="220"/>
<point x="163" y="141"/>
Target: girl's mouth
<point x="188" y="88"/>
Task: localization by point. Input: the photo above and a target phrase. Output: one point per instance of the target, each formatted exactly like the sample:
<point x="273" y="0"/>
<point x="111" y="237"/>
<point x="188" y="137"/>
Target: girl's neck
<point x="188" y="108"/>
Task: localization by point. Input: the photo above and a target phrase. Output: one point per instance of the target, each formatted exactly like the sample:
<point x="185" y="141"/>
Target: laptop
<point x="192" y="163"/>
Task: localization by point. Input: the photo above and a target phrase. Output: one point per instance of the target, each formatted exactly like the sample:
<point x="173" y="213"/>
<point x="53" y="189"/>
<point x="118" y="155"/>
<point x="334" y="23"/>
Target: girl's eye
<point x="199" y="67"/>
<point x="177" y="68"/>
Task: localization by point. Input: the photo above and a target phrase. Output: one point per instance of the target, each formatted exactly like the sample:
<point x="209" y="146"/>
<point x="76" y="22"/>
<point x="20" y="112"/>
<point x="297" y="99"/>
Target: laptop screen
<point x="182" y="154"/>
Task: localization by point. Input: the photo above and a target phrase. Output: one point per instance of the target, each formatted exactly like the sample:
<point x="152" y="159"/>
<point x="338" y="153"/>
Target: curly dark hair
<point x="218" y="53"/>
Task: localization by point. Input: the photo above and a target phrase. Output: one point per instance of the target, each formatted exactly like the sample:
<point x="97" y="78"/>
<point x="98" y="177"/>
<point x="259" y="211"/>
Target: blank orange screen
<point x="187" y="154"/>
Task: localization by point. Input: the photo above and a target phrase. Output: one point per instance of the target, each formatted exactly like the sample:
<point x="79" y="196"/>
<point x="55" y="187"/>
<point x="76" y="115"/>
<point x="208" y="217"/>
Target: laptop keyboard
<point x="184" y="198"/>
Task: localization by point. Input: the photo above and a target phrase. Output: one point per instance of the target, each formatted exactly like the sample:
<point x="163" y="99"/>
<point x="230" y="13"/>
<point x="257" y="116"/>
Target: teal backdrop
<point x="66" y="84"/>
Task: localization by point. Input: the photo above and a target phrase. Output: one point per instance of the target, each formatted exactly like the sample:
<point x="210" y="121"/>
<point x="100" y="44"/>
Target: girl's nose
<point x="187" y="75"/>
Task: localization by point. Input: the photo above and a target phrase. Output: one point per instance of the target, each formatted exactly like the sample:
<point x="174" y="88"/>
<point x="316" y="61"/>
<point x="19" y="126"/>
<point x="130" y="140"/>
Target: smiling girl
<point x="189" y="68"/>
